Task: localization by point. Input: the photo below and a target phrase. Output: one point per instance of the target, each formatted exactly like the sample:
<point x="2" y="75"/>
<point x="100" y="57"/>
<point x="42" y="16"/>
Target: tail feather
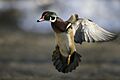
<point x="60" y="62"/>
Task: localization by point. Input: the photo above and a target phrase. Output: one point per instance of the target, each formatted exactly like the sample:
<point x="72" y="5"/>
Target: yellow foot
<point x="68" y="61"/>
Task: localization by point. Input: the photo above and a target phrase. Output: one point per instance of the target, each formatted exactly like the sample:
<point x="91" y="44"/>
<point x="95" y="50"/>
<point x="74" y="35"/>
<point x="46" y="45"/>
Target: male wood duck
<point x="67" y="33"/>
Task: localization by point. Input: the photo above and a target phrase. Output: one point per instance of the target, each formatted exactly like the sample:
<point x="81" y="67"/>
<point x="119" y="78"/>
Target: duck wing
<point x="88" y="31"/>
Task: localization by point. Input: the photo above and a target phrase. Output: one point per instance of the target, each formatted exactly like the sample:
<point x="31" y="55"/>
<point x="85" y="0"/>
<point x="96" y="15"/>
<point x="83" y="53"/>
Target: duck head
<point x="48" y="16"/>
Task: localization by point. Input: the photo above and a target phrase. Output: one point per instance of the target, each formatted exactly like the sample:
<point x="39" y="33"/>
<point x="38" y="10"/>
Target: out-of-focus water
<point x="27" y="56"/>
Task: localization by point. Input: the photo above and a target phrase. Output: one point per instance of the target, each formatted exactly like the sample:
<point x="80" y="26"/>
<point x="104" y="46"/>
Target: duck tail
<point x="60" y="61"/>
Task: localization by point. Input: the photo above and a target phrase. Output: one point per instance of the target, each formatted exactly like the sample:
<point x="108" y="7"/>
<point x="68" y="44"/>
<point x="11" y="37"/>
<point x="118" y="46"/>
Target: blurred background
<point x="26" y="46"/>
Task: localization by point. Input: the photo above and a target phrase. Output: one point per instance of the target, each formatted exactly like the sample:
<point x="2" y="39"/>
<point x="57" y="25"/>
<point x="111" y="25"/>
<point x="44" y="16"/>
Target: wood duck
<point x="67" y="33"/>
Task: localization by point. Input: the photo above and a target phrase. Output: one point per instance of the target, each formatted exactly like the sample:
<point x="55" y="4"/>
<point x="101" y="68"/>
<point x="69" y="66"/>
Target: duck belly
<point x="63" y="40"/>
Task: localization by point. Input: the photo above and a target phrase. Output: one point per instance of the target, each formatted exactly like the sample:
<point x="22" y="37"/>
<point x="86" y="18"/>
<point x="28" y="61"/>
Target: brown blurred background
<point x="26" y="46"/>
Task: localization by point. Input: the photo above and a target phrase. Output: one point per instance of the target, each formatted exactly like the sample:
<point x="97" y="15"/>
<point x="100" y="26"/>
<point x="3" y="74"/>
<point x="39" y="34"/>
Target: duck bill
<point x="40" y="20"/>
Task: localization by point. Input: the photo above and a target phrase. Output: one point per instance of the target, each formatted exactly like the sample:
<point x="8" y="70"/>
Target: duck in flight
<point x="75" y="30"/>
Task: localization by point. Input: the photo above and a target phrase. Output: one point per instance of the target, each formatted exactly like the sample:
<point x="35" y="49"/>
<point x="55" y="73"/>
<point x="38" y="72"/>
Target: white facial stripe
<point x="53" y="20"/>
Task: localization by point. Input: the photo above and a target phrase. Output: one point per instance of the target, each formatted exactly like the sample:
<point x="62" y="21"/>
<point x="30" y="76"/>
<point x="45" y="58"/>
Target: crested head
<point x="48" y="16"/>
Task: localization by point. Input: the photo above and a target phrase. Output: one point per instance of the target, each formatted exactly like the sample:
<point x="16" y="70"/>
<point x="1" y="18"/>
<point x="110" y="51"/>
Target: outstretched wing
<point x="88" y="31"/>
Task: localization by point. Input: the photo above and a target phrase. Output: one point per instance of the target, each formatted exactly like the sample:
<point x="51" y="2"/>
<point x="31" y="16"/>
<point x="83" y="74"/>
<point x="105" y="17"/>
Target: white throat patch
<point x="53" y="20"/>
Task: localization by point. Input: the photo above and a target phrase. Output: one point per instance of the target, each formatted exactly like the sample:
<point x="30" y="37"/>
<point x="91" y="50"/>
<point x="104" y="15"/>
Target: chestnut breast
<point x="59" y="25"/>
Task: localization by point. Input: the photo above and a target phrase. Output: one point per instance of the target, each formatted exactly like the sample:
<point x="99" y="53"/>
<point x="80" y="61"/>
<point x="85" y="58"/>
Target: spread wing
<point x="88" y="31"/>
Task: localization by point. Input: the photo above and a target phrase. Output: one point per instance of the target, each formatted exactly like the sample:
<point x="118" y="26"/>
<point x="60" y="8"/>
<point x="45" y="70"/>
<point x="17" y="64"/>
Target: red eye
<point x="43" y="16"/>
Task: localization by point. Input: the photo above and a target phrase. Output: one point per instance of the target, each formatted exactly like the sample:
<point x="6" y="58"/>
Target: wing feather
<point x="88" y="31"/>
